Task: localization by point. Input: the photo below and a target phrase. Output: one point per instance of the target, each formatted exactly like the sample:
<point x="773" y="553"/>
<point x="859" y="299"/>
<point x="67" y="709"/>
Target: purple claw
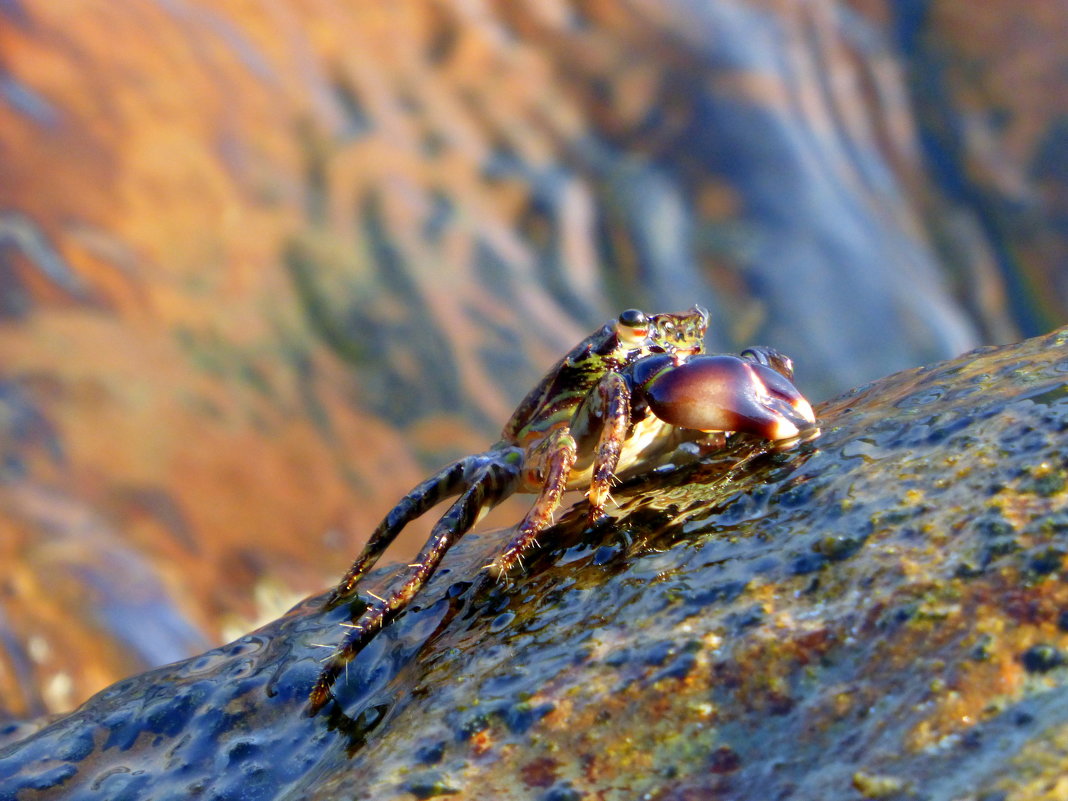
<point x="726" y="393"/>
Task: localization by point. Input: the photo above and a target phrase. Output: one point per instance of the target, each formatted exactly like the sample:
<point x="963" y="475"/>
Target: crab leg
<point x="609" y="404"/>
<point x="495" y="482"/>
<point x="557" y="456"/>
<point x="446" y="482"/>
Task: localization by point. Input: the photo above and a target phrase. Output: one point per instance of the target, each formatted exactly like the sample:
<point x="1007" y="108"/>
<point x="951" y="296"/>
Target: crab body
<point x="631" y="391"/>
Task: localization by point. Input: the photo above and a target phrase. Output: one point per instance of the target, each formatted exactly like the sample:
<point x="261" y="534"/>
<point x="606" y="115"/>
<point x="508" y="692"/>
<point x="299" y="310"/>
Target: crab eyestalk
<point x="726" y="393"/>
<point x="632" y="328"/>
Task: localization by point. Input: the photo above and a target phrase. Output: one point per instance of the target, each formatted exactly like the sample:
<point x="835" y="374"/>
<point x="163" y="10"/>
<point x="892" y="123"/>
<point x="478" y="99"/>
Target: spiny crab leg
<point x="493" y="483"/>
<point x="552" y="462"/>
<point x="446" y="482"/>
<point x="608" y="407"/>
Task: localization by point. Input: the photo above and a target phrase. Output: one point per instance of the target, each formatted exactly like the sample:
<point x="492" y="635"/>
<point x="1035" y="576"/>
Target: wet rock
<point x="698" y="661"/>
<point x="296" y="257"/>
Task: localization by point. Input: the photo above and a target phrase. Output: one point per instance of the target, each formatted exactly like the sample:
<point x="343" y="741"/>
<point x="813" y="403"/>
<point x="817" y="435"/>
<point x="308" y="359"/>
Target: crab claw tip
<point x="783" y="429"/>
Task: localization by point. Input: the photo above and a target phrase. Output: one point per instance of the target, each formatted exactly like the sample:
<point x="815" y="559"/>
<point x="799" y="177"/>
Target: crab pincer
<point x="724" y="393"/>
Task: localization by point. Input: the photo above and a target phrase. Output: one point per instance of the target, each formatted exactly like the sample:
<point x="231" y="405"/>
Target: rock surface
<point x="261" y="270"/>
<point x="880" y="613"/>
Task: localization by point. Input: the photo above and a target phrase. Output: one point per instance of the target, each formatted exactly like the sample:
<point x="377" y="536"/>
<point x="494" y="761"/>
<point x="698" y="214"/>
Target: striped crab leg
<point x="494" y="480"/>
<point x="450" y="480"/>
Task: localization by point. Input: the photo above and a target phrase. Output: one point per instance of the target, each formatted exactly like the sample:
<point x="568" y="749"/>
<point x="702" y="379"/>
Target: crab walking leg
<point x="611" y="405"/>
<point x="445" y="483"/>
<point x="557" y="455"/>
<point x="494" y="483"/>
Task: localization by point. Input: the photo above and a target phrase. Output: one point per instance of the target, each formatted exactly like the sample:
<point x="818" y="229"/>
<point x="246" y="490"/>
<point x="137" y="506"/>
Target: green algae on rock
<point x="878" y="613"/>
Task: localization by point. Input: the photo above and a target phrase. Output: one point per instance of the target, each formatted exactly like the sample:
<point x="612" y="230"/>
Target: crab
<point x="629" y="393"/>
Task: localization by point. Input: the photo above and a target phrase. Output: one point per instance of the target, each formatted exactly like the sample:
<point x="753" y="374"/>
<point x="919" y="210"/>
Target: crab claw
<point x="726" y="393"/>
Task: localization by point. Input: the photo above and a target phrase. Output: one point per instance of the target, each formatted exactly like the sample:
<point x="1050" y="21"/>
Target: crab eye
<point x="633" y="318"/>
